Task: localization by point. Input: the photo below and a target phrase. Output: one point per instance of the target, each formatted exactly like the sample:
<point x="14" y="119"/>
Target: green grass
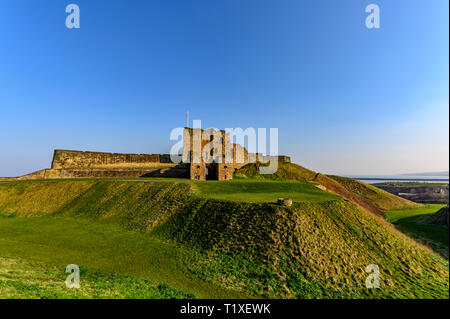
<point x="395" y="216"/>
<point x="411" y="221"/>
<point x="54" y="242"/>
<point x="21" y="278"/>
<point x="312" y="250"/>
<point x="3" y="215"/>
<point x="185" y="235"/>
<point x="380" y="198"/>
<point x="364" y="195"/>
<point x="262" y="191"/>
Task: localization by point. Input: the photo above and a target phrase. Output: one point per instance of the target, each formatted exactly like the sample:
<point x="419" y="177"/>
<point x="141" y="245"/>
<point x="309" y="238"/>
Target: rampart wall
<point x="80" y="159"/>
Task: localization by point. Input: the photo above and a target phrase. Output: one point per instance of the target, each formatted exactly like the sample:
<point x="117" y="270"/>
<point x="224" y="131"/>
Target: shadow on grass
<point x="434" y="236"/>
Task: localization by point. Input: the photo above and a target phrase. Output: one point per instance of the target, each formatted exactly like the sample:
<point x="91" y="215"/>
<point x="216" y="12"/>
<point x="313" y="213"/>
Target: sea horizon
<point x="407" y="178"/>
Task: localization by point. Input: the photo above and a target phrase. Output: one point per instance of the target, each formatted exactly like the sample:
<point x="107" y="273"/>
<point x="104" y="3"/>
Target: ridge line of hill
<point x="361" y="194"/>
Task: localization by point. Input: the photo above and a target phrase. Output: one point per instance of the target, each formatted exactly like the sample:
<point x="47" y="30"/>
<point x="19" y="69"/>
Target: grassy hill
<point x="211" y="239"/>
<point x="364" y="195"/>
<point x="262" y="192"/>
<point x="380" y="198"/>
<point x="427" y="224"/>
<point x="439" y="218"/>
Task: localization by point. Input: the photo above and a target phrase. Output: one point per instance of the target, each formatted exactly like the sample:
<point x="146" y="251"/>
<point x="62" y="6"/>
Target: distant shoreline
<point x="403" y="179"/>
<point x="371" y="180"/>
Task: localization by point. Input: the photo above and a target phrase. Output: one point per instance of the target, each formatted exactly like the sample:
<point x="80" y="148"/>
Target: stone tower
<point x="211" y="154"/>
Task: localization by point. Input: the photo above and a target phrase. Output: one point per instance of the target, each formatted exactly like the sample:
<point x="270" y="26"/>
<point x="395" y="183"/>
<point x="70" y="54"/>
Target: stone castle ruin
<point x="207" y="155"/>
<point x="213" y="156"/>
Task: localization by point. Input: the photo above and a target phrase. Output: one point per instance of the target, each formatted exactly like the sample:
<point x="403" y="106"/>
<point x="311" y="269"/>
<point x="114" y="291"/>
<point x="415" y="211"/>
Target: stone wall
<point x="34" y="175"/>
<point x="96" y="172"/>
<point x="225" y="171"/>
<point x="284" y="158"/>
<point x="224" y="157"/>
<point x="79" y="159"/>
<point x="197" y="172"/>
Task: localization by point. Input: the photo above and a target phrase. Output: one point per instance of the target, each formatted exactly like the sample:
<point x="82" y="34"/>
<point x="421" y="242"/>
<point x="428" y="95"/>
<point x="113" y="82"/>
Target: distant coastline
<point x="370" y="179"/>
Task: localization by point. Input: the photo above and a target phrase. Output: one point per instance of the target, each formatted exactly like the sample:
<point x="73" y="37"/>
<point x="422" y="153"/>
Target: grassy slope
<point x="420" y="223"/>
<point x="55" y="242"/>
<point x="257" y="191"/>
<point x="382" y="199"/>
<point x="364" y="195"/>
<point x="202" y="245"/>
<point x="396" y="215"/>
<point x="21" y="278"/>
<point x="439" y="218"/>
<point x="367" y="197"/>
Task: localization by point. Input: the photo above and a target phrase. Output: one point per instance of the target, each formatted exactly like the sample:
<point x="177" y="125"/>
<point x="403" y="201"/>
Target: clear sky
<point x="346" y="99"/>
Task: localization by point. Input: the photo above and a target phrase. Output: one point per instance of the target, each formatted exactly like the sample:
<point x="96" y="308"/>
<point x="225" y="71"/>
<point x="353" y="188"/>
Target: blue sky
<point x="346" y="99"/>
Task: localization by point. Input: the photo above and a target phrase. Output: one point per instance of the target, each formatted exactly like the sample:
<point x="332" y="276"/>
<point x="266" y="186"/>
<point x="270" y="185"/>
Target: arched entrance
<point x="211" y="171"/>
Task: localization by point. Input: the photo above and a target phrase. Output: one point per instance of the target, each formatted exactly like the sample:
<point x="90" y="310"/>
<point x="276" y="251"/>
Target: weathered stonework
<point x="79" y="159"/>
<point x="284" y="158"/>
<point x="212" y="155"/>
